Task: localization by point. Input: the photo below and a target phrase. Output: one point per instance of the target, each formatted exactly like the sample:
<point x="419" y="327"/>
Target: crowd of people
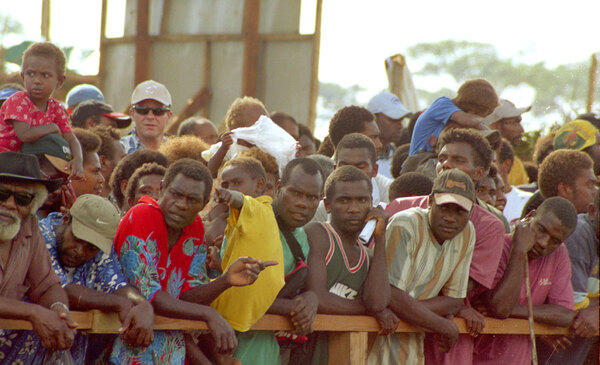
<point x="225" y="223"/>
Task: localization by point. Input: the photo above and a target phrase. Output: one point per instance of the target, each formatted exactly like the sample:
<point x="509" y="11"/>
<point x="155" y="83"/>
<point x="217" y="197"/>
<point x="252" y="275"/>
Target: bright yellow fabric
<point x="518" y="174"/>
<point x="251" y="231"/>
<point x="583" y="304"/>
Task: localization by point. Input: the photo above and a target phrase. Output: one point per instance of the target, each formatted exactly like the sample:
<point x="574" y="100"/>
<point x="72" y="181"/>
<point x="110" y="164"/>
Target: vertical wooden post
<point x="347" y="348"/>
<point x="45" y="27"/>
<point x="165" y="17"/>
<point x="314" y="71"/>
<point x="142" y="42"/>
<point x="102" y="64"/>
<point x="251" y="47"/>
<point x="206" y="75"/>
<point x="592" y="83"/>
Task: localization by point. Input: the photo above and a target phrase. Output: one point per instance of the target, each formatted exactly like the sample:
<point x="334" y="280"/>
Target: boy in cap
<point x="82" y="255"/>
<point x="150" y="111"/>
<point x="475" y="99"/>
<point x="444" y="239"/>
<point x="91" y="113"/>
<point x="506" y="118"/>
<point x="389" y="113"/>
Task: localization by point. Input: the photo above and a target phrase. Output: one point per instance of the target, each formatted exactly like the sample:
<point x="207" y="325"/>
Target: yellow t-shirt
<point x="251" y="231"/>
<point x="518" y="174"/>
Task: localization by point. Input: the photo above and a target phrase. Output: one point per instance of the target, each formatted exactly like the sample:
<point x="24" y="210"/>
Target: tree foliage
<point x="562" y="89"/>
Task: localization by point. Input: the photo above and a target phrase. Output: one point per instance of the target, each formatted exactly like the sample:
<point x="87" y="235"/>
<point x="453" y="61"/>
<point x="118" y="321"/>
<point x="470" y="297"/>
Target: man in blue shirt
<point x="82" y="254"/>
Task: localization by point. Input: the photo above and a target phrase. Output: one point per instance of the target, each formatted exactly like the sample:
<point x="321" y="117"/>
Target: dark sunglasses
<point x="22" y="199"/>
<point x="156" y="111"/>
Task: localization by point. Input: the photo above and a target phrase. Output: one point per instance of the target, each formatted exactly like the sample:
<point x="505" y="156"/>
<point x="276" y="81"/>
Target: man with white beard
<point x="25" y="269"/>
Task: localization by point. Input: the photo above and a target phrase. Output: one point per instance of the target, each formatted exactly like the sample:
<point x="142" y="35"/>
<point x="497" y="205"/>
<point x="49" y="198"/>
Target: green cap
<point x="454" y="186"/>
<point x="54" y="147"/>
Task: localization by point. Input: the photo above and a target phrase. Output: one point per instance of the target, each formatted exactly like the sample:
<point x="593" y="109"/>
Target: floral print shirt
<point x="142" y="245"/>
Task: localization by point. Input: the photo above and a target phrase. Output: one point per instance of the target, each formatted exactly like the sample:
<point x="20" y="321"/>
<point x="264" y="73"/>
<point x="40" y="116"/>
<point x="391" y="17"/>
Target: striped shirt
<point x="420" y="266"/>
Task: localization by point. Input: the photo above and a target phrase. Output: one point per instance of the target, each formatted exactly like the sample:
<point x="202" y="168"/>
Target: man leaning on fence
<point x="29" y="289"/>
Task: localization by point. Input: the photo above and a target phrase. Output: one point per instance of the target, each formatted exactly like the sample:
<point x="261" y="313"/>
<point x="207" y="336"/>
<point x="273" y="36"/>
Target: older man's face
<point x="12" y="209"/>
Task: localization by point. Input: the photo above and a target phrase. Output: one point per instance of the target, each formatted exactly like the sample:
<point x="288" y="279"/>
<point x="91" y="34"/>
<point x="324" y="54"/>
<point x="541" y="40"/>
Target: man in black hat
<point x="25" y="269"/>
<point x="91" y="113"/>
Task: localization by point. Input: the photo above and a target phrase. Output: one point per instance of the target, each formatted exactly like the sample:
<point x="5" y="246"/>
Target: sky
<point x="358" y="35"/>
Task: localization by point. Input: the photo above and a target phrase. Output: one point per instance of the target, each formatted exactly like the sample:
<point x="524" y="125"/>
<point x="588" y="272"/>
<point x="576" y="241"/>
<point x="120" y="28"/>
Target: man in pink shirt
<point x="469" y="152"/>
<point x="538" y="239"/>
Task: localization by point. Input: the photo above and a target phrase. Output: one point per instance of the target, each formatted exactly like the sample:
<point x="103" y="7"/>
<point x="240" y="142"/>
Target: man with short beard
<point x="25" y="269"/>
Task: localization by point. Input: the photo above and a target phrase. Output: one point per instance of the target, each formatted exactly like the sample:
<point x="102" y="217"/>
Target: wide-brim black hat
<point x="16" y="166"/>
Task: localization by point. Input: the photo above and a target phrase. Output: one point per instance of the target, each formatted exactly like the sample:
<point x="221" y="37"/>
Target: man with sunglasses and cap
<point x="150" y="111"/>
<point x="82" y="255"/>
<point x="29" y="288"/>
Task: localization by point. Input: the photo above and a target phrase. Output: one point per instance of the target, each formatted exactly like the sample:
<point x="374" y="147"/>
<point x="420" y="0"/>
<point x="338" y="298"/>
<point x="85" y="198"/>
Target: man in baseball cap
<point x="506" y="118"/>
<point x="150" y="111"/>
<point x="389" y="113"/>
<point x="81" y="251"/>
<point x="444" y="239"/>
<point x="93" y="112"/>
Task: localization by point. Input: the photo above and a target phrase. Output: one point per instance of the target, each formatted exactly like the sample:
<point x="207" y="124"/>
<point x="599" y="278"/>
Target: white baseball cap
<point x="388" y="104"/>
<point x="151" y="89"/>
<point x="505" y="109"/>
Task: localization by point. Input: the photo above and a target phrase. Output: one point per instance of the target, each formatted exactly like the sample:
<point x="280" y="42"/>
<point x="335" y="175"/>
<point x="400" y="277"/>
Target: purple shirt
<point x="550" y="278"/>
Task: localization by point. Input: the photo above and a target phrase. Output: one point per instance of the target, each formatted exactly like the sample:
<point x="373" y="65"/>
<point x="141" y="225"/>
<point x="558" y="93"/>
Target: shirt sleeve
<point x="17" y="108"/>
<point x="489" y="240"/>
<point x="456" y="286"/>
<point x="561" y="291"/>
<point x="41" y="275"/>
<point x="109" y="273"/>
<point x="430" y="123"/>
<point x="61" y="118"/>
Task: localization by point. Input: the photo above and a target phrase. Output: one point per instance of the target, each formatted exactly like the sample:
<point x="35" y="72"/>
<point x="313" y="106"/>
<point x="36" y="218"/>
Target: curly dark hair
<point x="90" y="142"/>
<point x="561" y="166"/>
<point x="241" y="108"/>
<point x="410" y="184"/>
<point x="192" y="169"/>
<point x="47" y="50"/>
<point x="543" y="147"/>
<point x="326" y="147"/>
<point x="562" y="209"/>
<point x="127" y="166"/>
<point x="345" y="173"/>
<point x="108" y="135"/>
<point x="476" y="96"/>
<point x="532" y="171"/>
<point x="150" y="168"/>
<point x="400" y="155"/>
<point x="349" y="119"/>
<point x="357" y="140"/>
<point x="308" y="165"/>
<point x="506" y="152"/>
<point x="482" y="153"/>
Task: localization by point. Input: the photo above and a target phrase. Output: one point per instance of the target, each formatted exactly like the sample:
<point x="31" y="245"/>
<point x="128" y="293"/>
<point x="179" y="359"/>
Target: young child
<point x="475" y="100"/>
<point x="243" y="112"/>
<point x="31" y="114"/>
<point x="251" y="231"/>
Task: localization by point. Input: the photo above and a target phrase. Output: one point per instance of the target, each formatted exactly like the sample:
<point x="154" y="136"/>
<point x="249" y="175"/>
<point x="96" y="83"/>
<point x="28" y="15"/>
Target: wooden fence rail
<point x="347" y="334"/>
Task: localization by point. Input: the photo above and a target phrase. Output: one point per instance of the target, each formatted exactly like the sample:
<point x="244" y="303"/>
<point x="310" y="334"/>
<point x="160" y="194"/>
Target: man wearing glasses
<point x="150" y="111"/>
<point x="25" y="269"/>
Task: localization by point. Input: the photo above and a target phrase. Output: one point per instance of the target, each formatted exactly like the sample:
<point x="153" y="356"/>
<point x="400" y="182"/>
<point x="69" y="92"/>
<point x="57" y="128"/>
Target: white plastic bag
<point x="54" y="357"/>
<point x="270" y="138"/>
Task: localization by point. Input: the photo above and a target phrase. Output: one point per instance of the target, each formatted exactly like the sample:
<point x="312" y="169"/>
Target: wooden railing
<point x="347" y="334"/>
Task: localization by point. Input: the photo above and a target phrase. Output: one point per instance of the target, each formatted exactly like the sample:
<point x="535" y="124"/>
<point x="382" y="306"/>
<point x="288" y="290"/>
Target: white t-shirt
<point x="515" y="201"/>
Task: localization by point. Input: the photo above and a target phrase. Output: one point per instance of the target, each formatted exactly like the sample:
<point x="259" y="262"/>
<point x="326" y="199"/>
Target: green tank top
<point x="343" y="280"/>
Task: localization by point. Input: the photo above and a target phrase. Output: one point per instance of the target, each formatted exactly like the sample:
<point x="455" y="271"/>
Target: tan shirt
<point x="28" y="271"/>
